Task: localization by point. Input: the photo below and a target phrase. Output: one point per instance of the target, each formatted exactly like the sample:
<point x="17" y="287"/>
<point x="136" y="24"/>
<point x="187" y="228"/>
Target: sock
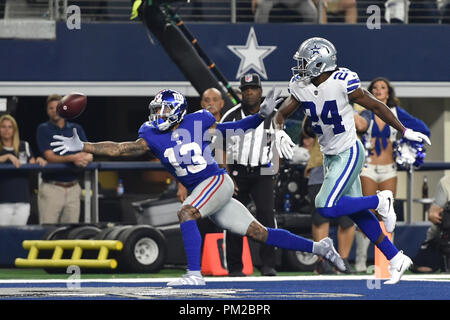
<point x="349" y="205"/>
<point x="286" y="240"/>
<point x="387" y="247"/>
<point x="370" y="225"/>
<point x="192" y="244"/>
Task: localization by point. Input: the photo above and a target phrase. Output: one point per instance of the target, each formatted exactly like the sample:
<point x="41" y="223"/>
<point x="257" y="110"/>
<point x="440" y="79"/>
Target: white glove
<point x="269" y="103"/>
<point x="416" y="136"/>
<point x="65" y="144"/>
<point x="284" y="144"/>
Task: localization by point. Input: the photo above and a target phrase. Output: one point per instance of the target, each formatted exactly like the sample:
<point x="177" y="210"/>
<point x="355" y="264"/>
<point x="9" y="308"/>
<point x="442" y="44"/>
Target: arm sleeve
<point x="291" y="89"/>
<point x="251" y="122"/>
<point x="353" y="82"/>
<point x="412" y="123"/>
<point x="142" y="129"/>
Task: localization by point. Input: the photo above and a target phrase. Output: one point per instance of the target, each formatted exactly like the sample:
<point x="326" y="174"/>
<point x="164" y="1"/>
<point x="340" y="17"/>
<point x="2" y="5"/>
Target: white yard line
<point x="415" y="277"/>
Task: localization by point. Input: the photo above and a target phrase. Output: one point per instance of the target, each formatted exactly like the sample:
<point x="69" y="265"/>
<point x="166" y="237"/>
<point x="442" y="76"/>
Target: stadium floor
<point x="412" y="287"/>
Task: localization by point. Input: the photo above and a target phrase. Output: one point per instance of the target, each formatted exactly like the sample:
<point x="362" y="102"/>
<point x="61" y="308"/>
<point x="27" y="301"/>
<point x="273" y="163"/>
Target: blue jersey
<point x="185" y="151"/>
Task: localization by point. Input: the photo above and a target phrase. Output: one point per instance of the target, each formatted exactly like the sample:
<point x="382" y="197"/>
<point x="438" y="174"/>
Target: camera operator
<point x="428" y="258"/>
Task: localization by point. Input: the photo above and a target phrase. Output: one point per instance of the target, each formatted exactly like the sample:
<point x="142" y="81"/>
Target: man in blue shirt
<point x="59" y="192"/>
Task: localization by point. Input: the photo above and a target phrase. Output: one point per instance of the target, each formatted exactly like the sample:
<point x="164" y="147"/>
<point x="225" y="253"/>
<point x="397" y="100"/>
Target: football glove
<point x="269" y="103"/>
<point x="416" y="136"/>
<point x="64" y="145"/>
<point x="284" y="145"/>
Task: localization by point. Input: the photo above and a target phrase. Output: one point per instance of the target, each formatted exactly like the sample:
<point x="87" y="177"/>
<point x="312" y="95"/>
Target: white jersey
<point x="329" y="109"/>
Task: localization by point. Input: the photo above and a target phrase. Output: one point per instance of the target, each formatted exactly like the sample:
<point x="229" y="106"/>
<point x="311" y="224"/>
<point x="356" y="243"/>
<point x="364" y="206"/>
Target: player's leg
<point x="345" y="237"/>
<point x="320" y="230"/>
<point x="208" y="197"/>
<point x="236" y="218"/>
<point x="262" y="194"/>
<point x="340" y="173"/>
<point x="369" y="187"/>
<point x="369" y="224"/>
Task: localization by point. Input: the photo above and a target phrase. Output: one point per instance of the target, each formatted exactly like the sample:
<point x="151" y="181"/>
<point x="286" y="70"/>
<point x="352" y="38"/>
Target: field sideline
<point x="36" y="284"/>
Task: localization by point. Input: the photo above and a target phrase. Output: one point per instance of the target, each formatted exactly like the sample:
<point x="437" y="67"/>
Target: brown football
<point x="72" y="105"/>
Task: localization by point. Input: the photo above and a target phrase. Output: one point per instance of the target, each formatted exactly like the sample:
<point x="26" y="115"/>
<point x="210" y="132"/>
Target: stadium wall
<point x="119" y="59"/>
<point x="414" y="55"/>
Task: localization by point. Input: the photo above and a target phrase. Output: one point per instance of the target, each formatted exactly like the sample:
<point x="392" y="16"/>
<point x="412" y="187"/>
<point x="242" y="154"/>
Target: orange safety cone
<point x="213" y="258"/>
<point x="246" y="258"/>
<point x="381" y="263"/>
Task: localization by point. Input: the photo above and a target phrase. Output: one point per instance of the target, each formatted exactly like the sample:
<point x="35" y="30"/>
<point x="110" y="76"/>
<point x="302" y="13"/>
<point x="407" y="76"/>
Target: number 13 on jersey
<point x="198" y="162"/>
<point x="329" y="116"/>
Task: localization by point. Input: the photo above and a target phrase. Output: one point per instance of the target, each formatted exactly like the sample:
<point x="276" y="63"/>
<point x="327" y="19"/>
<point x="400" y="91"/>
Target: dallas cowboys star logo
<point x="315" y="49"/>
<point x="252" y="55"/>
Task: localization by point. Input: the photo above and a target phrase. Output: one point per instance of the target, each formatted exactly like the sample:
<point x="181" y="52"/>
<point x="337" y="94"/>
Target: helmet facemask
<point x="167" y="109"/>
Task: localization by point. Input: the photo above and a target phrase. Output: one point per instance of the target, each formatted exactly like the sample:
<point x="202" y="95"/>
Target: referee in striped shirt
<point x="249" y="163"/>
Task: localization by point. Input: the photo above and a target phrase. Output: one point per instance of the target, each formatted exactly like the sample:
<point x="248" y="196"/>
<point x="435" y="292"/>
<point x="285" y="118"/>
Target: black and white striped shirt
<point x="254" y="148"/>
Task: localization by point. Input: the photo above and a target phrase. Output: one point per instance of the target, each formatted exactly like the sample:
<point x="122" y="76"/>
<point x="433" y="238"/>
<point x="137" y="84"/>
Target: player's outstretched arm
<point x="117" y="149"/>
<point x="63" y="145"/>
<point x="367" y="100"/>
<point x="252" y="122"/>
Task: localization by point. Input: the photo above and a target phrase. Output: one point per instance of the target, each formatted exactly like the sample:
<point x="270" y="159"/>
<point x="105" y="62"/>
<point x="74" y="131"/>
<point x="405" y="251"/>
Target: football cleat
<point x="331" y="255"/>
<point x="398" y="266"/>
<point x="188" y="280"/>
<point x="386" y="209"/>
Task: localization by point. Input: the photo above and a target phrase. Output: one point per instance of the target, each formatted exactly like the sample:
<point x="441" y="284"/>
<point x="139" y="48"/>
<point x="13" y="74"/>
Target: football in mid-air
<point x="72" y="105"/>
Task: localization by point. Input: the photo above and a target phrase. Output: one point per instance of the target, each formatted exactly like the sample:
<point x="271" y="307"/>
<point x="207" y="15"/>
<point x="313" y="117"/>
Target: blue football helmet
<point x="167" y="109"/>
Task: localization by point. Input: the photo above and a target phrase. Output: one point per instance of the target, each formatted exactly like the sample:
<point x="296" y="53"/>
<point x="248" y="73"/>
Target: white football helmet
<point x="314" y="57"/>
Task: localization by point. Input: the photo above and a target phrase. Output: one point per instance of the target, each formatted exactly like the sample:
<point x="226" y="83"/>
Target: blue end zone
<point x="228" y="289"/>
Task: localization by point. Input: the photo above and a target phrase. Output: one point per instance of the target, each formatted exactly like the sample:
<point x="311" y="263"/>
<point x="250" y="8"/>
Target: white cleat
<point x="386" y="209"/>
<point x="398" y="266"/>
<point x="188" y="280"/>
<point x="331" y="254"/>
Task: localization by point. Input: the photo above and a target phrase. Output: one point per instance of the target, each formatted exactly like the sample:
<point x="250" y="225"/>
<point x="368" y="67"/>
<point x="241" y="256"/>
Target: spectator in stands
<point x="445" y="9"/>
<point x="320" y="228"/>
<point x="428" y="258"/>
<point x="305" y="8"/>
<point x="380" y="171"/>
<point x="59" y="192"/>
<point x="337" y="10"/>
<point x="14" y="185"/>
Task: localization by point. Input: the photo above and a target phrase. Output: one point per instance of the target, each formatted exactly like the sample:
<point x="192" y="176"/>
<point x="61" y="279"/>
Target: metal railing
<point x="235" y="11"/>
<point x="91" y="179"/>
<point x="34" y="9"/>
